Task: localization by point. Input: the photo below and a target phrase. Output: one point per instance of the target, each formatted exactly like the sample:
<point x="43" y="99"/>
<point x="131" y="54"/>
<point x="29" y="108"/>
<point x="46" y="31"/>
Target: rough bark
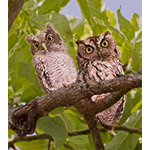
<point x="14" y="7"/>
<point x="23" y="119"/>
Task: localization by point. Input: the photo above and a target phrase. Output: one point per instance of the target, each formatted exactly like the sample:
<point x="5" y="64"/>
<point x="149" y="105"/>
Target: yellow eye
<point x="89" y="50"/>
<point x="104" y="43"/>
<point x="36" y="45"/>
<point x="49" y="38"/>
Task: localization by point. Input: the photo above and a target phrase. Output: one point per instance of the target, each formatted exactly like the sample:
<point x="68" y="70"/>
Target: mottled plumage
<point x="53" y="65"/>
<point x="99" y="57"/>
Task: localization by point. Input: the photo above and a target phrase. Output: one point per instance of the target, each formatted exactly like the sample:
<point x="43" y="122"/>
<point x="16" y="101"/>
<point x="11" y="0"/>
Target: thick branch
<point x="24" y="118"/>
<point x="14" y="7"/>
<point x="91" y="122"/>
<point x="10" y="113"/>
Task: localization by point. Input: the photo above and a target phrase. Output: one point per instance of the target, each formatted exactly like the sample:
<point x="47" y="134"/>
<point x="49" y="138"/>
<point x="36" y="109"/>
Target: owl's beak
<point x="100" y="55"/>
<point x="44" y="46"/>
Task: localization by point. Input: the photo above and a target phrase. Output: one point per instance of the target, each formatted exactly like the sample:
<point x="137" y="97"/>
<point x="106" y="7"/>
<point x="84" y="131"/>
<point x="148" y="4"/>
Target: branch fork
<point x="23" y="120"/>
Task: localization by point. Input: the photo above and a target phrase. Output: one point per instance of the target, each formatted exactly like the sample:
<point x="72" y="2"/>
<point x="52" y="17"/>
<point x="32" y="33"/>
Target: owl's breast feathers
<point x="54" y="70"/>
<point x="103" y="70"/>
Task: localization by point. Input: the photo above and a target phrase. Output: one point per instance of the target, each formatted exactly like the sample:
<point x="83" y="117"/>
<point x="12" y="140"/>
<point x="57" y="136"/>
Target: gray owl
<point x="53" y="65"/>
<point x="99" y="57"/>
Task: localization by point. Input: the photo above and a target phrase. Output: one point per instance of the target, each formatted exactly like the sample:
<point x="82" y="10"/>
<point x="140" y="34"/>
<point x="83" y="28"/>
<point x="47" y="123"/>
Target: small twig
<point x="84" y="132"/>
<point x="69" y="146"/>
<point x="117" y="127"/>
<point x="49" y="145"/>
<point x="128" y="129"/>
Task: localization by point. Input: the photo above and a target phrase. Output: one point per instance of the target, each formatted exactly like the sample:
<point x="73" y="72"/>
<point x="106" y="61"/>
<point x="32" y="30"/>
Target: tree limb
<point x="129" y="129"/>
<point x="10" y="113"/>
<point x="117" y="127"/>
<point x="14" y="140"/>
<point x="78" y="94"/>
<point x="84" y="110"/>
<point x="14" y="7"/>
<point x="23" y="120"/>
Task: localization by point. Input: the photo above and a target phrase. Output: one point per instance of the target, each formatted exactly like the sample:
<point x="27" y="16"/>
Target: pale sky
<point x="128" y="7"/>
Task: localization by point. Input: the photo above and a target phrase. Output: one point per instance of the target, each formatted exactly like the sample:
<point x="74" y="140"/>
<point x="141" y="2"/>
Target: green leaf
<point x="29" y="4"/>
<point x="139" y="37"/>
<point x="33" y="145"/>
<point x="92" y="9"/>
<point x="125" y="26"/>
<point x="112" y="17"/>
<point x="53" y="5"/>
<point x="34" y="89"/>
<point x="133" y="101"/>
<point x="124" y="140"/>
<point x="55" y="127"/>
<point x="11" y="133"/>
<point x="137" y="56"/>
<point x="28" y="71"/>
<point x="126" y="52"/>
<point x="73" y="121"/>
<point x="79" y="142"/>
<point x="77" y="27"/>
<point x="137" y="22"/>
<point x="29" y="94"/>
<point x="61" y="25"/>
<point x="18" y="82"/>
<point x="119" y="37"/>
<point x="12" y="40"/>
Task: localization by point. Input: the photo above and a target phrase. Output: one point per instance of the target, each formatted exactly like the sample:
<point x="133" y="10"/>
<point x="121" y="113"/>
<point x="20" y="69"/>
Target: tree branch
<point x="10" y="113"/>
<point x="16" y="139"/>
<point x="14" y="7"/>
<point x="28" y="138"/>
<point x="117" y="127"/>
<point x="91" y="122"/>
<point x="129" y="129"/>
<point x="23" y="120"/>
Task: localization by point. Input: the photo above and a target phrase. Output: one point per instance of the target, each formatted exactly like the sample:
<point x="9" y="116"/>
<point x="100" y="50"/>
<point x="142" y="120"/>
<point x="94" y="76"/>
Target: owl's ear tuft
<point x="106" y="33"/>
<point x="79" y="42"/>
<point x="76" y="42"/>
<point x="29" y="38"/>
<point x="49" y="26"/>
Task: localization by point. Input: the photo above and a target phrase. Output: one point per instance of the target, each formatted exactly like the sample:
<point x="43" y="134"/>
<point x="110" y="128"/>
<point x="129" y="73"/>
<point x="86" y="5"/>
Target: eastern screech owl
<point x="99" y="57"/>
<point x="53" y="65"/>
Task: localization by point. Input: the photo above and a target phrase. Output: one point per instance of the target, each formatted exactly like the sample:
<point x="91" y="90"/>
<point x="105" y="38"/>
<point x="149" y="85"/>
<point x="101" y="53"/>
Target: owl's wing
<point x="42" y="74"/>
<point x="111" y="116"/>
<point x="120" y="109"/>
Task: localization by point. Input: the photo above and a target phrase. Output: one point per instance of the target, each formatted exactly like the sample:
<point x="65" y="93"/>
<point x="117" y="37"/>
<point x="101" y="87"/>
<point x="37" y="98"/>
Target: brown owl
<point x="53" y="65"/>
<point x="99" y="57"/>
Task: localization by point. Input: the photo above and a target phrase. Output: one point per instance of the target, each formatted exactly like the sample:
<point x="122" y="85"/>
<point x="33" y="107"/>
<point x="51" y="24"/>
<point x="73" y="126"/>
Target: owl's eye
<point x="104" y="43"/>
<point x="89" y="50"/>
<point x="36" y="45"/>
<point x="49" y="38"/>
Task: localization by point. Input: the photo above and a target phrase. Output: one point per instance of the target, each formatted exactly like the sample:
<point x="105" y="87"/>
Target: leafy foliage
<point x="24" y="86"/>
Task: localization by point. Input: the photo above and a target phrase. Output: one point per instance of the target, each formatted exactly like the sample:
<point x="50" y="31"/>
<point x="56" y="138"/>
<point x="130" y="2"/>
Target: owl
<point x="53" y="65"/>
<point x="99" y="57"/>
